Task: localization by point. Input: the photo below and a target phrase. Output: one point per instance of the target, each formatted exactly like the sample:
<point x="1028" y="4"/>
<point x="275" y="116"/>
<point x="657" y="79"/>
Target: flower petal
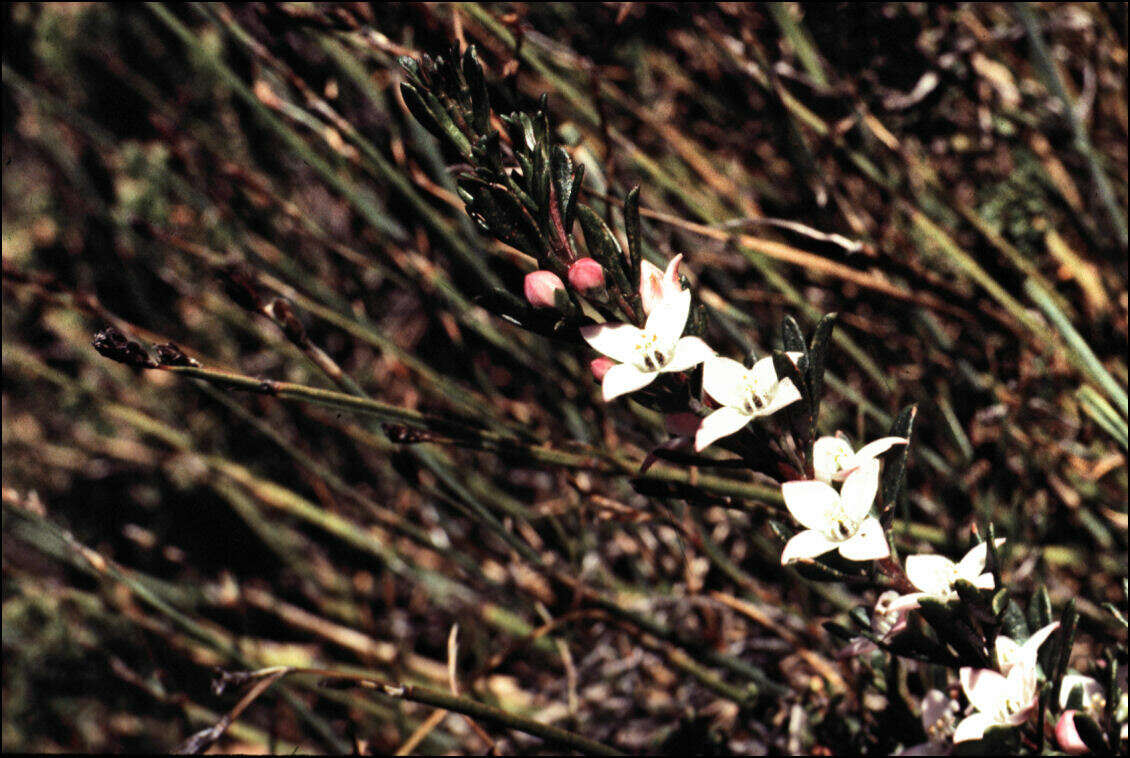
<point x="906" y="602"/>
<point x="1008" y="652"/>
<point x="867" y="544"/>
<point x="972" y="728"/>
<point x="651" y="285"/>
<point x="808" y="544"/>
<point x="827" y="452"/>
<point x="720" y="423"/>
<point x="1031" y="645"/>
<point x="669" y="316"/>
<point x="810" y="502"/>
<point x="936" y="706"/>
<point x="973" y="564"/>
<point x="670" y="283"/>
<point x="858" y="492"/>
<point x="689" y="352"/>
<point x="624" y="378"/>
<point x="763" y="374"/>
<point x="724" y="380"/>
<point x="878" y="447"/>
<point x="985" y="688"/>
<point x="785" y="393"/>
<point x="984" y="582"/>
<point x="930" y="573"/>
<point x="617" y="341"/>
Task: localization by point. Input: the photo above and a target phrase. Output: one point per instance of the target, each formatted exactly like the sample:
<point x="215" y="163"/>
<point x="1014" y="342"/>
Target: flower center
<point x="652" y="354"/>
<point x="757" y="394"/>
<point x="840" y="527"/>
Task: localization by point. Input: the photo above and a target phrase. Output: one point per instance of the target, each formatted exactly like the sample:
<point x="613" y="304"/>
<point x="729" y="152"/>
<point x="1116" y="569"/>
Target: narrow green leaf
<point x="633" y="230"/>
<point x="1040" y="608"/>
<point x="817" y="357"/>
<point x="1091" y="734"/>
<point x="480" y="99"/>
<point x="894" y="466"/>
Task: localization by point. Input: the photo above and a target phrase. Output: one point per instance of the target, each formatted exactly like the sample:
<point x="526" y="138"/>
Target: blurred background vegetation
<point x="960" y="173"/>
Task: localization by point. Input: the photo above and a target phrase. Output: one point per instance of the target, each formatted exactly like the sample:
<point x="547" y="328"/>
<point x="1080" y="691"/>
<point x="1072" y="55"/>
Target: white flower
<point x="745" y="394"/>
<point x="833" y="459"/>
<point x="1002" y="699"/>
<point x="887" y="622"/>
<point x="939" y="715"/>
<point x="836" y="520"/>
<point x="655" y="285"/>
<point x="1011" y="654"/>
<point x="646" y="353"/>
<point x="1094" y="699"/>
<point x="935" y="575"/>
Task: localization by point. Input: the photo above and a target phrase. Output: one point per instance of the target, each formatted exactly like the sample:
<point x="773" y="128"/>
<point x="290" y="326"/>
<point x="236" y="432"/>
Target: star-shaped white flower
<point x="934" y="575"/>
<point x="655" y="285"/>
<point x="887" y="622"/>
<point x="836" y="520"/>
<point x="833" y="458"/>
<point x="1006" y="698"/>
<point x="646" y="353"/>
<point x="939" y="716"/>
<point x="745" y="394"/>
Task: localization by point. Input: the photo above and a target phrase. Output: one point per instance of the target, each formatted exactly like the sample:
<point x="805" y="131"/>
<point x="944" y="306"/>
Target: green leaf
<point x="603" y="246"/>
<point x="1040" y="608"/>
<point x="999" y="602"/>
<point x="792" y="338"/>
<point x="817" y="355"/>
<point x="476" y="83"/>
<point x="998" y="740"/>
<point x="1013" y="625"/>
<point x="949" y="623"/>
<point x="1091" y="734"/>
<point x="838" y="631"/>
<point x="633" y="230"/>
<point x="571" y="206"/>
<point x="561" y="167"/>
<point x="495" y="208"/>
<point x="894" y="467"/>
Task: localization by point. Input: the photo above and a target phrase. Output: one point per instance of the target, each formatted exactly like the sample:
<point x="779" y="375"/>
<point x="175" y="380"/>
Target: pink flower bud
<point x="1067" y="736"/>
<point x="585" y="275"/>
<point x="540" y="287"/>
<point x="600" y="366"/>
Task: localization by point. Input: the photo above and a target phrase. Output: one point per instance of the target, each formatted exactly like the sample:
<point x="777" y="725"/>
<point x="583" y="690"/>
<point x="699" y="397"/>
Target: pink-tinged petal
<point x="671" y="283"/>
<point x="867" y="544"/>
<point x="651" y="285"/>
<point x="972" y="728"/>
<point x="810" y="502"/>
<point x="614" y="340"/>
<point x="807" y="544"/>
<point x="669" y="316"/>
<point x="858" y="492"/>
<point x="878" y="447"/>
<point x="785" y="394"/>
<point x="930" y="573"/>
<point x="827" y="453"/>
<point x="599" y="367"/>
<point x="724" y="380"/>
<point x="586" y="275"/>
<point x="936" y="706"/>
<point x="974" y="561"/>
<point x="541" y="287"/>
<point x="625" y="378"/>
<point x="856" y="648"/>
<point x="721" y="423"/>
<point x="689" y="352"/>
<point x="985" y="688"/>
<point x="906" y="602"/>
<point x="1068" y="736"/>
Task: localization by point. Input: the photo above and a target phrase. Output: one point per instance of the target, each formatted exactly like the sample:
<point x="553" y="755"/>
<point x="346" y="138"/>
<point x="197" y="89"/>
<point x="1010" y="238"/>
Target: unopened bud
<point x="1068" y="736"/>
<point x="600" y="366"/>
<point x="540" y="288"/>
<point x="586" y="275"/>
